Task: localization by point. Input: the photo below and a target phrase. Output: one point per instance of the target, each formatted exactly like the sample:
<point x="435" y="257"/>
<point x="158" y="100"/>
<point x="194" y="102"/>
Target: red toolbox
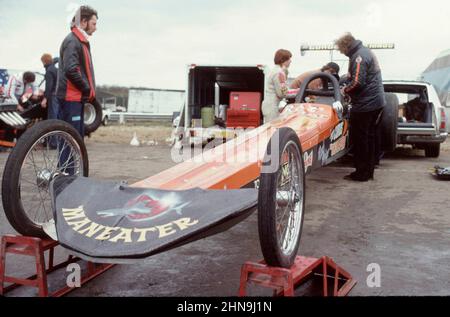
<point x="244" y="110"/>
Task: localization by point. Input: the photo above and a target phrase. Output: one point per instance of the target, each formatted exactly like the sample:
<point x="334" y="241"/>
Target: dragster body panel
<point x="237" y="162"/>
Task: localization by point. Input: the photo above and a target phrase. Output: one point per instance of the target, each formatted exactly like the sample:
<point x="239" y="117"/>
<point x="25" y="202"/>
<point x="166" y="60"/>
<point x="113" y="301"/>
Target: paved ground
<point x="400" y="221"/>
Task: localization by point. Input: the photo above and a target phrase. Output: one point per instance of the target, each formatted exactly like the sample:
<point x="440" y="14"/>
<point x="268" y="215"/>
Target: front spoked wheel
<point x="48" y="149"/>
<point x="281" y="200"/>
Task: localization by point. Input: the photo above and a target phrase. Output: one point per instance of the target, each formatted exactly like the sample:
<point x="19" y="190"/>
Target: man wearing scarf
<point x="76" y="82"/>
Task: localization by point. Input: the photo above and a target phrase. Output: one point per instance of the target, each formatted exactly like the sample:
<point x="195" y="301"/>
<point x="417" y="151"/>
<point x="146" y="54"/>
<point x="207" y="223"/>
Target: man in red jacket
<point x="76" y="82"/>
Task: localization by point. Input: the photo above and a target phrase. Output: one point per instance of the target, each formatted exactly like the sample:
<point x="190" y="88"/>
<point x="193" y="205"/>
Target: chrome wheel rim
<point x="41" y="165"/>
<point x="289" y="199"/>
<point x="89" y="114"/>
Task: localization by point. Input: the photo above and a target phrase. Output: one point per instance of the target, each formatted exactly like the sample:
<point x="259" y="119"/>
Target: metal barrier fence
<point x="136" y="117"/>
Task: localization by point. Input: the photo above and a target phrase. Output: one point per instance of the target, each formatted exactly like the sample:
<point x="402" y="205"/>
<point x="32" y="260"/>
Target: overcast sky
<point x="149" y="42"/>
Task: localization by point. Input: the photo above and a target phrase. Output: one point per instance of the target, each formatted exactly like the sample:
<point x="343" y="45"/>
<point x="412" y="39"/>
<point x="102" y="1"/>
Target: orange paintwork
<point x="313" y="123"/>
<point x="7" y="144"/>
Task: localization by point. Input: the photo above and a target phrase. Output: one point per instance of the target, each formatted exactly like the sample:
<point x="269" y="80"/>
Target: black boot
<point x="356" y="177"/>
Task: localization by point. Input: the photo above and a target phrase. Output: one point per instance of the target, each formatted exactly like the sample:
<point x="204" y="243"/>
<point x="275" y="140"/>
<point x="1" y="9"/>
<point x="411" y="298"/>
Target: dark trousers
<point x="73" y="113"/>
<point x="378" y="143"/>
<point x="53" y="108"/>
<point x="53" y="113"/>
<point x="363" y="134"/>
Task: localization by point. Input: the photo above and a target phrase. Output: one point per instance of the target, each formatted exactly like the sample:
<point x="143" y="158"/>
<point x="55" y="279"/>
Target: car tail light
<point x="443" y="125"/>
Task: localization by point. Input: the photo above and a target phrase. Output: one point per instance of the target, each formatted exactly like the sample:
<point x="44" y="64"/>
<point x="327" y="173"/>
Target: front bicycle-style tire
<point x="281" y="199"/>
<point x="39" y="156"/>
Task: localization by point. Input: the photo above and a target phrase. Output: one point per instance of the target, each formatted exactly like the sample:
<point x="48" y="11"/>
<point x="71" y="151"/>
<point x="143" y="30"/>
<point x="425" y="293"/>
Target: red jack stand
<point x="36" y="247"/>
<point x="285" y="281"/>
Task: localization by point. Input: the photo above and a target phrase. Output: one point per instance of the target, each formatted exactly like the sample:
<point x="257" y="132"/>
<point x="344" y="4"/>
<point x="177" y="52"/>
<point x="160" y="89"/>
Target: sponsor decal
<point x="79" y="222"/>
<point x="323" y="154"/>
<point x="337" y="132"/>
<point x="308" y="160"/>
<point x="338" y="146"/>
<point x="145" y="207"/>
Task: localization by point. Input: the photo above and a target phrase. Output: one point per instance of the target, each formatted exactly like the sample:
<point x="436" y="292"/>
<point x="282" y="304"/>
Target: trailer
<point x="214" y="93"/>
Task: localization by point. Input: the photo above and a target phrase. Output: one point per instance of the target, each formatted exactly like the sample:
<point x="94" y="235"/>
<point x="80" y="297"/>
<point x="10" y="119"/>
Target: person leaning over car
<point x="18" y="85"/>
<point x="276" y="85"/>
<point x="76" y="82"/>
<point x="316" y="84"/>
<point x="365" y="88"/>
<point x="51" y="76"/>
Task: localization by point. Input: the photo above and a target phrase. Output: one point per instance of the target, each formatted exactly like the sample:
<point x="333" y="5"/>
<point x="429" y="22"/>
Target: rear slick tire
<point x="93" y="115"/>
<point x="389" y="123"/>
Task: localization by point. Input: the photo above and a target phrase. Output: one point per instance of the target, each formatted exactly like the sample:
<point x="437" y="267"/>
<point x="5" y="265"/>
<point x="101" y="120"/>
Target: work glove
<point x="337" y="106"/>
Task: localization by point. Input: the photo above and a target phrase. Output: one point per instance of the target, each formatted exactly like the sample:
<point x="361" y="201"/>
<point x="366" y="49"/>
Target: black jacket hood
<point x="356" y="45"/>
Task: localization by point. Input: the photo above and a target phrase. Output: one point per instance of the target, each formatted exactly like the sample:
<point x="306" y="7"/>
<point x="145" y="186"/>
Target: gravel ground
<point x="401" y="221"/>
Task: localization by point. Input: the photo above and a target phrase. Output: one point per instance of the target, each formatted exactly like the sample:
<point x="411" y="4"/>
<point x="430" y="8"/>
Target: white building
<point x="155" y="101"/>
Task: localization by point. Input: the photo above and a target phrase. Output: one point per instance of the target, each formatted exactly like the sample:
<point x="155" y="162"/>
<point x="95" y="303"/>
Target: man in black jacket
<point x="76" y="82"/>
<point x="51" y="76"/>
<point x="365" y="88"/>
